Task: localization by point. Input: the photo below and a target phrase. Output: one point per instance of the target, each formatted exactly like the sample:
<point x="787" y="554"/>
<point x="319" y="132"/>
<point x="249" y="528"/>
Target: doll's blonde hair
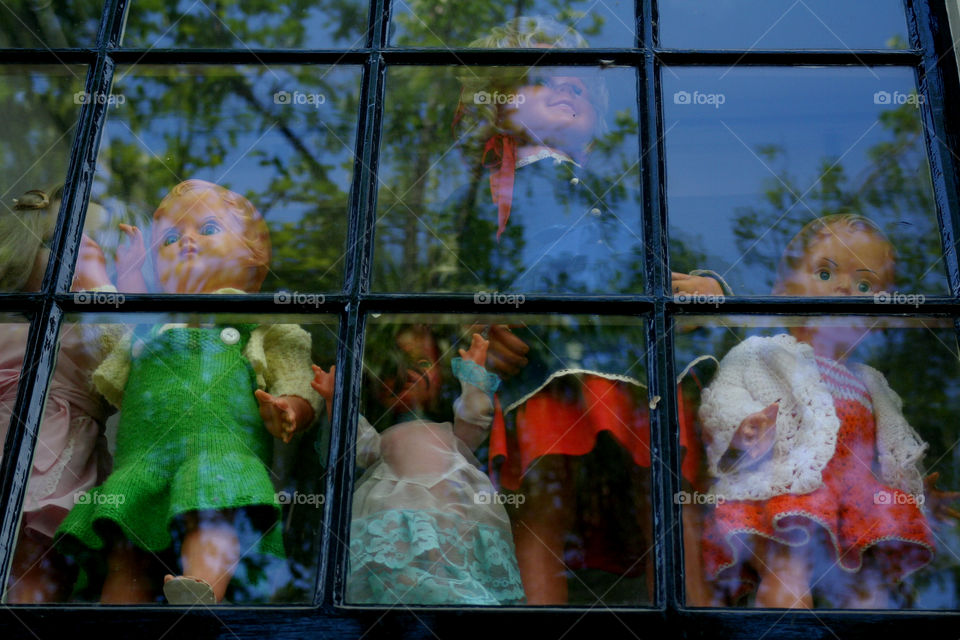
<point x="255" y="234"/>
<point x="477" y="121"/>
<point x="24" y="232"/>
<point x="815" y="230"/>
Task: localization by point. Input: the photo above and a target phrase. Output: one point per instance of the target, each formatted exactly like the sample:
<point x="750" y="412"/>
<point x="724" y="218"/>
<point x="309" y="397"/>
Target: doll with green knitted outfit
<point x="426" y="527"/>
<point x="198" y="406"/>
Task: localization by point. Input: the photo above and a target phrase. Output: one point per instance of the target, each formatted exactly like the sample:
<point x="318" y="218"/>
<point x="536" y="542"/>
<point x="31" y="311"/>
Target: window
<point x="415" y="191"/>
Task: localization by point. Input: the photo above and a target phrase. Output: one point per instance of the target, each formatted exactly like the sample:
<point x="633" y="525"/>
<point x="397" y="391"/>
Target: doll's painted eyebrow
<point x="867" y="270"/>
<point x="832" y="263"/>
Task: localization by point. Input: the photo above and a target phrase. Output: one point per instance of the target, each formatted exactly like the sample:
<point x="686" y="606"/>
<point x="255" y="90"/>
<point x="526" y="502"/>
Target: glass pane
<point x="28" y="24"/>
<point x="164" y="463"/>
<point x="817" y="483"/>
<point x="40" y="106"/>
<point x="783" y="24"/>
<point x="755" y="157"/>
<point x="571" y="24"/>
<point x="528" y="474"/>
<point x="246" y="25"/>
<point x="558" y="146"/>
<point x="247" y="146"/>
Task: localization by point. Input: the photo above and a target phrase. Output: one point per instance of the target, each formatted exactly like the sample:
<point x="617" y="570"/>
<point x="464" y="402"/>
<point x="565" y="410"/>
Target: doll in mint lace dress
<point x="427" y="526"/>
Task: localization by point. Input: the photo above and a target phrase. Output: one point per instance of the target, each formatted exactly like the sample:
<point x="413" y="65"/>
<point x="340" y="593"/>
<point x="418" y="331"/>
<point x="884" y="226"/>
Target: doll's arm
<point x="473" y="410"/>
<point x="289" y="402"/>
<point x="323" y="384"/>
<point x="91" y="269"/>
<point x="131" y="257"/>
<point x="690" y="283"/>
<point x="506" y="353"/>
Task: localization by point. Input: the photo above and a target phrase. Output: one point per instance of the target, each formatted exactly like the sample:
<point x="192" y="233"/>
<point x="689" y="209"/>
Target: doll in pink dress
<point x="70" y="452"/>
<point x="818" y="470"/>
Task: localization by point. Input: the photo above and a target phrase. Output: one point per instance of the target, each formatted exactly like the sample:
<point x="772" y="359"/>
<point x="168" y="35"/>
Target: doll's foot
<point x="184" y="590"/>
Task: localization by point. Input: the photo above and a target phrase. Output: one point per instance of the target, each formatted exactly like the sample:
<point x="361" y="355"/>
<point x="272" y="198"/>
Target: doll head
<point x="206" y="237"/>
<point x="25" y="234"/>
<point x="410" y="381"/>
<point x="537" y="106"/>
<point x="838" y="255"/>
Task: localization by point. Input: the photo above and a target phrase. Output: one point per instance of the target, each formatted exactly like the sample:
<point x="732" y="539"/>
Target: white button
<point x="230" y="336"/>
<point x="595" y="212"/>
<point x="137" y="348"/>
<point x="574" y="181"/>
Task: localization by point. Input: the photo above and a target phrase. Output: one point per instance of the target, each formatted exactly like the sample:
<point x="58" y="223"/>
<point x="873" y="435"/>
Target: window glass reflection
<point x="519" y="446"/>
<point x="537" y="190"/>
<point x="205" y="484"/>
<point x="246" y="25"/>
<point x="428" y="23"/>
<point x="755" y="154"/>
<point x="783" y="24"/>
<point x="269" y="146"/>
<point x="26" y="24"/>
<point x="829" y="453"/>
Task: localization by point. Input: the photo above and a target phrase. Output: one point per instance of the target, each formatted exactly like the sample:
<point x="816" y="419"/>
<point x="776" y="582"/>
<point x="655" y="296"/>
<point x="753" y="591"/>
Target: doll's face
<point x="200" y="247"/>
<point x="422" y="386"/>
<point x="842" y="262"/>
<point x="553" y="110"/>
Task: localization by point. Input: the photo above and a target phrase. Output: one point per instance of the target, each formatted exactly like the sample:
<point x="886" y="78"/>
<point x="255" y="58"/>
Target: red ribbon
<point x="502" y="169"/>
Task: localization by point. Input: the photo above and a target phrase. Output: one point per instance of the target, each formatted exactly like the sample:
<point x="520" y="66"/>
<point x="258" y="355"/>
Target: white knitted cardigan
<point x="760" y="371"/>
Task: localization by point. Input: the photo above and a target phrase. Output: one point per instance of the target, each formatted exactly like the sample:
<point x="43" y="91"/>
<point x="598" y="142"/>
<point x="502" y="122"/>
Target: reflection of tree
<point x="894" y="190"/>
<point x="58" y="23"/>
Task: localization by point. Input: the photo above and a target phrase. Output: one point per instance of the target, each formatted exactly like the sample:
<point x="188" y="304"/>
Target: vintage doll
<point x="193" y="439"/>
<point x="70" y="450"/>
<point x="811" y="453"/>
<point x="541" y="221"/>
<point x="426" y="525"/>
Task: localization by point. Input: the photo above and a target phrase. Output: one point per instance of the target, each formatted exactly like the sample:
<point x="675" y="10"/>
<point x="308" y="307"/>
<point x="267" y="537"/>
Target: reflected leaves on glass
<point x="509" y="180"/>
<point x="755" y="154"/>
<point x="32" y="24"/>
<point x="282" y="138"/>
<point x="336" y="24"/>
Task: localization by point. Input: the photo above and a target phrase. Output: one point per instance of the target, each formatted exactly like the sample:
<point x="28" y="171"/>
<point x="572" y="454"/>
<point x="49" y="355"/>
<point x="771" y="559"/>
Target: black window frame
<point x="931" y="56"/>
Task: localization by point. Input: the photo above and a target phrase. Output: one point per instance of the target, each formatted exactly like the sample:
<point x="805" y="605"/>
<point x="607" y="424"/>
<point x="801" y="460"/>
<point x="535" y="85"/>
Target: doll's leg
<point x="38" y="574"/>
<point x="129" y="579"/>
<point x="784" y="576"/>
<point x="540" y="526"/>
<point x="210" y="550"/>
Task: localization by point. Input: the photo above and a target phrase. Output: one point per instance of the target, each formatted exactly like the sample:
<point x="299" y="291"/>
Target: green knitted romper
<point x="190" y="437"/>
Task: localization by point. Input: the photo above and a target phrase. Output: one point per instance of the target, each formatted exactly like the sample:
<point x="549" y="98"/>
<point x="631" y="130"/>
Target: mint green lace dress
<point x="432" y="532"/>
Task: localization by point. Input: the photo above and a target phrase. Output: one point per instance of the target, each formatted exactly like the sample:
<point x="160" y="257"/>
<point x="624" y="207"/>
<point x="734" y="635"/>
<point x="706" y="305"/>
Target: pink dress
<point x="70" y="444"/>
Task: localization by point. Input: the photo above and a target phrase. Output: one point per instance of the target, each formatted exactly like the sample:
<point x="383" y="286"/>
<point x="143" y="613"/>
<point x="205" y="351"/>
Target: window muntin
<point x="782" y="24"/>
<point x="571" y="221"/>
<point x="245" y="25"/>
<point x="754" y="154"/>
<point x="429" y="23"/>
<point x="30" y="25"/>
<point x="282" y="136"/>
<point x="855" y="468"/>
<point x="189" y="419"/>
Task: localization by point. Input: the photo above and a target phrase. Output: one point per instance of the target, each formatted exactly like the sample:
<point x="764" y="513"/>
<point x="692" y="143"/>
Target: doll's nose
<point x="843" y="287"/>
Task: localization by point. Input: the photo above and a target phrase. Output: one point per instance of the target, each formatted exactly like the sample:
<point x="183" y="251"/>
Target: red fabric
<point x="844" y="508"/>
<point x="548" y="424"/>
<point x="503" y="169"/>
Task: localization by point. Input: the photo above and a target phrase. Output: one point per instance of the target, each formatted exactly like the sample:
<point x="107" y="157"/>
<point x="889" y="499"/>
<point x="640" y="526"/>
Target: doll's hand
<point x="506" y="353"/>
<point x="91" y="271"/>
<point x="283" y="416"/>
<point x="937" y="500"/>
<point x="478" y="350"/>
<point x="322" y="383"/>
<point x="131" y="255"/>
<point x="684" y="283"/>
<point x="755" y="435"/>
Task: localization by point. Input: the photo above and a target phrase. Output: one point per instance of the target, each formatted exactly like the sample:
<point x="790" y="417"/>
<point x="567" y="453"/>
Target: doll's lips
<point x="189" y="252"/>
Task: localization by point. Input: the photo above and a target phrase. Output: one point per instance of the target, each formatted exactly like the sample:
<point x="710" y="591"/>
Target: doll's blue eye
<point x="170" y="238"/>
<point x="209" y="228"/>
<point x="823" y="274"/>
<point x="863" y="286"/>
